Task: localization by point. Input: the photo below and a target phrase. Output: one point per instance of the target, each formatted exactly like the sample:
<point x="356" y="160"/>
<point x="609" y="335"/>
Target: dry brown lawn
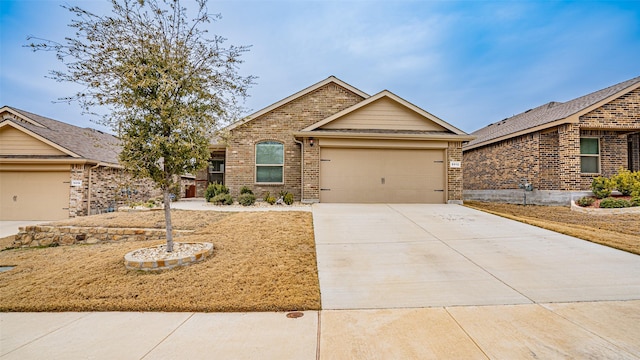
<point x="263" y="261"/>
<point x="621" y="231"/>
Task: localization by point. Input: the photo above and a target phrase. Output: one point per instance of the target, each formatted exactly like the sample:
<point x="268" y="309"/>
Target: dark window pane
<point x="589" y="164"/>
<point x="589" y="146"/>
<point x="269" y="174"/>
<point x="269" y="152"/>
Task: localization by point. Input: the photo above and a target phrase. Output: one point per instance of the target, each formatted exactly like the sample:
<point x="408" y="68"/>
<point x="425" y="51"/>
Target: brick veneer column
<point x="311" y="190"/>
<point x="569" y="157"/>
<point x="454" y="175"/>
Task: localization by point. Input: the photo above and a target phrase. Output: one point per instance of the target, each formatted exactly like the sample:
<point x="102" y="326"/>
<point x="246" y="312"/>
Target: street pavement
<point x="397" y="282"/>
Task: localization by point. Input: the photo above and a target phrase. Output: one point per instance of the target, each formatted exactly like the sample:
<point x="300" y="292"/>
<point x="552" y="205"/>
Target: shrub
<point x="245" y="190"/>
<point x="247" y="199"/>
<point x="626" y="181"/>
<point x="585" y="201"/>
<point x="635" y="201"/>
<point x="601" y="187"/>
<point x="286" y="197"/>
<point x="222" y="199"/>
<point x="268" y="198"/>
<point x="214" y="190"/>
<point x="610" y="203"/>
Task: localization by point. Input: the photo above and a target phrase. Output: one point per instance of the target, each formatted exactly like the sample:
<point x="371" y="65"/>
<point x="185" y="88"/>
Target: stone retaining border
<point x="47" y="235"/>
<point x="165" y="264"/>
<point x="600" y="211"/>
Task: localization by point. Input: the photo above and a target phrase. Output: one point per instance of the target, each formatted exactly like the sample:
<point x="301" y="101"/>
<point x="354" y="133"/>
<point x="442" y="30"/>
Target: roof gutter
<point x="522" y="132"/>
<point x="386" y="136"/>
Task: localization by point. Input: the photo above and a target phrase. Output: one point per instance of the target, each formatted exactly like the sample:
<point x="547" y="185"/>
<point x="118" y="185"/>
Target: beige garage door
<point x="382" y="176"/>
<point x="34" y="195"/>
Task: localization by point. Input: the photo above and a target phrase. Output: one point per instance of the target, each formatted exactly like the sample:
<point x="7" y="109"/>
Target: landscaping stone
<point x="157" y="258"/>
<point x="32" y="236"/>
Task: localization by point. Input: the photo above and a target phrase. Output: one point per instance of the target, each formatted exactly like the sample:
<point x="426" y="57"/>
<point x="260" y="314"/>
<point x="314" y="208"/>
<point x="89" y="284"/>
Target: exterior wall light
<point x="311" y="142"/>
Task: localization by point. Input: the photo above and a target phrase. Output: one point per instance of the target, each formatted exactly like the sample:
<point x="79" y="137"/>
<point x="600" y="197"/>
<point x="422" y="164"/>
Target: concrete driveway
<point x="385" y="256"/>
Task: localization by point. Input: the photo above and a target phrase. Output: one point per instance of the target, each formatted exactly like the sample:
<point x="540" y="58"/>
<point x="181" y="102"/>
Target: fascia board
<point x="21" y="116"/>
<point x="331" y="134"/>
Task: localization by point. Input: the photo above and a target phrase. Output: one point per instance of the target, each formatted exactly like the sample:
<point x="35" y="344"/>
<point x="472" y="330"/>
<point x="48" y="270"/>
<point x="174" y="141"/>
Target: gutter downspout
<point x="301" y="168"/>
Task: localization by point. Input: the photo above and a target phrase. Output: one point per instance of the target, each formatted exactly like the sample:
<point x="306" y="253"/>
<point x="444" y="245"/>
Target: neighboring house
<point x="51" y="170"/>
<point x="334" y="143"/>
<point x="558" y="147"/>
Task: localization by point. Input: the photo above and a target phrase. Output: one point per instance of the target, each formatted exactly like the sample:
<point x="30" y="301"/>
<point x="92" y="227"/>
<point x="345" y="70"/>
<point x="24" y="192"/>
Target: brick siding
<point x="502" y="165"/>
<point x="110" y="188"/>
<point x="454" y="175"/>
<point x="279" y="125"/>
<point x="551" y="159"/>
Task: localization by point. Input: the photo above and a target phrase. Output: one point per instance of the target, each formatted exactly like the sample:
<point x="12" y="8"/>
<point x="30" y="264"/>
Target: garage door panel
<point x="382" y="175"/>
<point x="34" y="195"/>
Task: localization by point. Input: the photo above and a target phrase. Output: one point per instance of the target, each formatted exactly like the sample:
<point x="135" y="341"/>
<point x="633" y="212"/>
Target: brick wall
<point x="454" y="175"/>
<point x="312" y="171"/>
<point x="549" y="161"/>
<point x="634" y="147"/>
<point x="279" y="125"/>
<point x="110" y="188"/>
<point x="556" y="165"/>
<point x="621" y="113"/>
<point x="613" y="154"/>
<point x="502" y="165"/>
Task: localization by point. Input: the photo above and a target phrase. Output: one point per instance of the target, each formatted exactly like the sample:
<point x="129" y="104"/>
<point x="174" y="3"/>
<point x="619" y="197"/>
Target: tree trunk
<point x="167" y="219"/>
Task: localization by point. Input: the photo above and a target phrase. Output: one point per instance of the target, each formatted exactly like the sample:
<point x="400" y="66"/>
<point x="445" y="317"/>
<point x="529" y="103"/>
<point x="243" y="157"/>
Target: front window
<point x="590" y="155"/>
<point x="269" y="162"/>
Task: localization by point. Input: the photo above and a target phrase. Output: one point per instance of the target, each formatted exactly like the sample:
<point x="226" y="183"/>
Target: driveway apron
<point x="377" y="256"/>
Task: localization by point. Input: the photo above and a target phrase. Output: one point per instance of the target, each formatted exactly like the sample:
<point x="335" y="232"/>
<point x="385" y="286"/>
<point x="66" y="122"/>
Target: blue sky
<point x="470" y="63"/>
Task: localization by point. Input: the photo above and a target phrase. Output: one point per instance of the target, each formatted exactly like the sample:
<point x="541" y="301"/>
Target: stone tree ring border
<point x="135" y="260"/>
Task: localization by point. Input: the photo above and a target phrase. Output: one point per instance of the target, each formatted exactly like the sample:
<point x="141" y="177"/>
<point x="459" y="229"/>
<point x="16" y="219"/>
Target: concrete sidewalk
<point x="595" y="330"/>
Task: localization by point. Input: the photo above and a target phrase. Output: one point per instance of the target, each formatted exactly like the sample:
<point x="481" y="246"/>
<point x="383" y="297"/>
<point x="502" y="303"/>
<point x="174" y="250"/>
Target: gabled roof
<point x="77" y="142"/>
<point x="549" y="115"/>
<point x="301" y="93"/>
<point x="385" y="94"/>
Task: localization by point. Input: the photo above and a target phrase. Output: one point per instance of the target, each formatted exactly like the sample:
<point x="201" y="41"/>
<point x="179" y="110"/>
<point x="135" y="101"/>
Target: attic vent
<point x="552" y="104"/>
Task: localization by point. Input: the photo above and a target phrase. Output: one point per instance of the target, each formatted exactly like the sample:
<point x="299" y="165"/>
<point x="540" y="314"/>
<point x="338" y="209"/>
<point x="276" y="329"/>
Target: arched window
<point x="269" y="162"/>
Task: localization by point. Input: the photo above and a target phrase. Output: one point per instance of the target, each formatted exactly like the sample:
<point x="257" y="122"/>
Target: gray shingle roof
<point x="88" y="143"/>
<point x="545" y="114"/>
